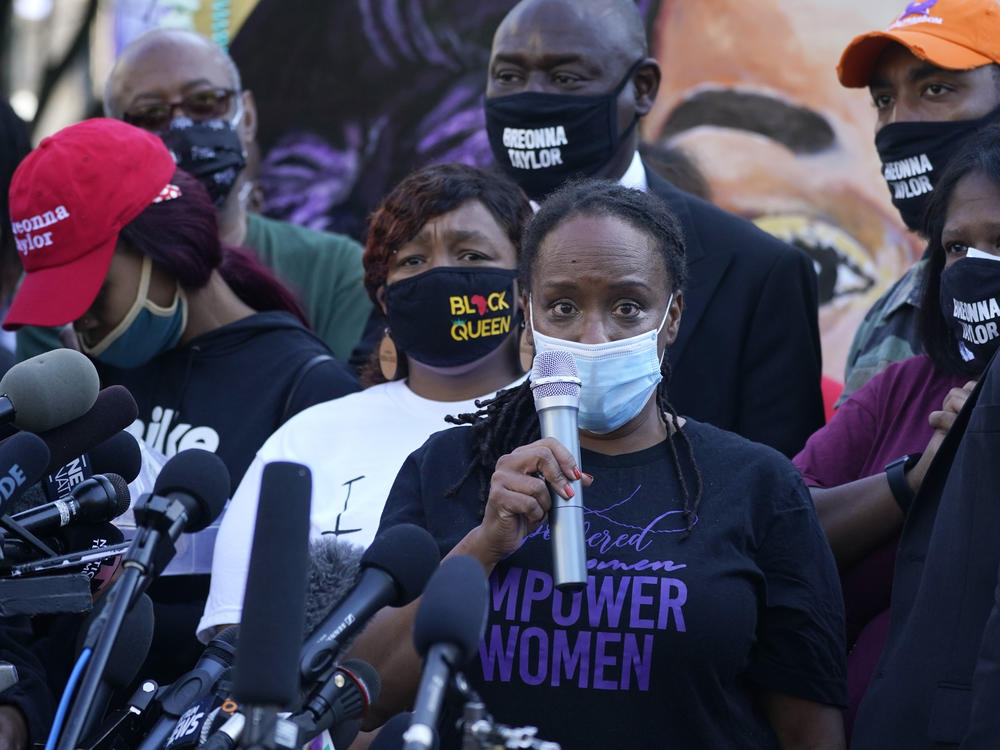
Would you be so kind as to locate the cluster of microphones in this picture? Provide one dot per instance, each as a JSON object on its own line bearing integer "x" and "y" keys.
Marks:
{"x": 280, "y": 679}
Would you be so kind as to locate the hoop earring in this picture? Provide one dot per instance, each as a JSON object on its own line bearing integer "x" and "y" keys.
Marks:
{"x": 525, "y": 351}
{"x": 388, "y": 357}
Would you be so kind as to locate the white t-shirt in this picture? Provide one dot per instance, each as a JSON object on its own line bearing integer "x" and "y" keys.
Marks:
{"x": 354, "y": 447}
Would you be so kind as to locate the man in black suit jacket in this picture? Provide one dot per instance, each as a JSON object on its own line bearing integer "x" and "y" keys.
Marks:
{"x": 938, "y": 681}
{"x": 568, "y": 81}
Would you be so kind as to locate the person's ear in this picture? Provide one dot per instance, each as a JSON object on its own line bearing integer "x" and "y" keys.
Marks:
{"x": 527, "y": 319}
{"x": 248, "y": 123}
{"x": 646, "y": 80}
{"x": 669, "y": 333}
{"x": 380, "y": 297}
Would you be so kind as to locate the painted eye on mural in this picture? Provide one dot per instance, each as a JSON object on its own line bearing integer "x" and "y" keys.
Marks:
{"x": 843, "y": 266}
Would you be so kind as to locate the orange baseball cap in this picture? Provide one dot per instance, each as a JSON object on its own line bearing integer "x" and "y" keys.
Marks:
{"x": 953, "y": 34}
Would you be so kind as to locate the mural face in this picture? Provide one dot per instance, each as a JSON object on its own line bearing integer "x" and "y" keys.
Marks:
{"x": 363, "y": 92}
{"x": 750, "y": 92}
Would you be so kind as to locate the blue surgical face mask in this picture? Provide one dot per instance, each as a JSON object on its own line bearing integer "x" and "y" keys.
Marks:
{"x": 617, "y": 377}
{"x": 146, "y": 330}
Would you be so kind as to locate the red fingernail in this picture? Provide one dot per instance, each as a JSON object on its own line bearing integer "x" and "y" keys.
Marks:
{"x": 568, "y": 489}
{"x": 576, "y": 471}
{"x": 589, "y": 476}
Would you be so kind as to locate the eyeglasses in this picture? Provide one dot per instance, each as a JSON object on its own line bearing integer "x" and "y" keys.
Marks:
{"x": 200, "y": 105}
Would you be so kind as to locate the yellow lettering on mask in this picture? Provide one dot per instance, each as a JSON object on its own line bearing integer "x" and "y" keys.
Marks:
{"x": 497, "y": 301}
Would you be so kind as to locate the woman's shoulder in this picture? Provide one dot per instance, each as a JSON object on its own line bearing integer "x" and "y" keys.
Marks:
{"x": 735, "y": 466}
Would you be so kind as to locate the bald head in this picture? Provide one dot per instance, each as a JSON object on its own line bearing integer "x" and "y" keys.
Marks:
{"x": 615, "y": 26}
{"x": 163, "y": 62}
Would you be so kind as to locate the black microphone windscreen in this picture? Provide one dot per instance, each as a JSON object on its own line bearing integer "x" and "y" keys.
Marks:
{"x": 454, "y": 608}
{"x": 266, "y": 670}
{"x": 132, "y": 644}
{"x": 201, "y": 481}
{"x": 390, "y": 736}
{"x": 333, "y": 570}
{"x": 119, "y": 454}
{"x": 50, "y": 389}
{"x": 23, "y": 458}
{"x": 409, "y": 554}
{"x": 122, "y": 496}
{"x": 112, "y": 412}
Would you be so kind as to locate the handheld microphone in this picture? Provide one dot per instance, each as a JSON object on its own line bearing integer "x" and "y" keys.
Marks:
{"x": 394, "y": 570}
{"x": 96, "y": 500}
{"x": 555, "y": 386}
{"x": 265, "y": 677}
{"x": 449, "y": 625}
{"x": 345, "y": 696}
{"x": 48, "y": 390}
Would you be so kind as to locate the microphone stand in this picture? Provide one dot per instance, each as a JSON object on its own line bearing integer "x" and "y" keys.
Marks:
{"x": 160, "y": 523}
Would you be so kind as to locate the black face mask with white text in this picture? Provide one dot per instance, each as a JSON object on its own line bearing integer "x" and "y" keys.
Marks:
{"x": 541, "y": 140}
{"x": 913, "y": 154}
{"x": 970, "y": 302}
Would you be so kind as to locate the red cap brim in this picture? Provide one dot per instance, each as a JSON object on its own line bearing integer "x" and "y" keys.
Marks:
{"x": 60, "y": 294}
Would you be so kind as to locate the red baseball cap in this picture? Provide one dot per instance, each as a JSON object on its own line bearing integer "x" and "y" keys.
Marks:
{"x": 953, "y": 34}
{"x": 69, "y": 199}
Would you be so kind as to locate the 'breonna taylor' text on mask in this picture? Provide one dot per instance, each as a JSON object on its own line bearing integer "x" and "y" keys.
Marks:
{"x": 542, "y": 139}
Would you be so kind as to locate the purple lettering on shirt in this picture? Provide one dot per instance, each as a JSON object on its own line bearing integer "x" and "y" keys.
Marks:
{"x": 607, "y": 598}
{"x": 603, "y": 660}
{"x": 639, "y": 600}
{"x": 673, "y": 594}
{"x": 537, "y": 586}
{"x": 495, "y": 654}
{"x": 575, "y": 600}
{"x": 536, "y": 677}
{"x": 566, "y": 661}
{"x": 633, "y": 661}
{"x": 506, "y": 591}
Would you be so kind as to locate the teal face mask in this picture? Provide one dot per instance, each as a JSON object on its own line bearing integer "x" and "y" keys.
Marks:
{"x": 146, "y": 330}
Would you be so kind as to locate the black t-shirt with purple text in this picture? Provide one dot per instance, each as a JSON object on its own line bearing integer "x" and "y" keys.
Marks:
{"x": 674, "y": 636}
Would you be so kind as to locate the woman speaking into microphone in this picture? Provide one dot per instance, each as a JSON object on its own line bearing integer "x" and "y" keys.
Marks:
{"x": 712, "y": 615}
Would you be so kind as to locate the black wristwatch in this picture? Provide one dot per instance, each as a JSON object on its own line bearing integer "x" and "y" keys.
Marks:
{"x": 895, "y": 472}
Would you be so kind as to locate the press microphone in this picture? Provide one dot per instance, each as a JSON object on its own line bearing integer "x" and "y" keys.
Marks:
{"x": 96, "y": 500}
{"x": 449, "y": 625}
{"x": 334, "y": 564}
{"x": 48, "y": 390}
{"x": 179, "y": 698}
{"x": 119, "y": 454}
{"x": 131, "y": 647}
{"x": 265, "y": 678}
{"x": 394, "y": 570}
{"x": 345, "y": 696}
{"x": 112, "y": 411}
{"x": 555, "y": 386}
{"x": 23, "y": 458}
